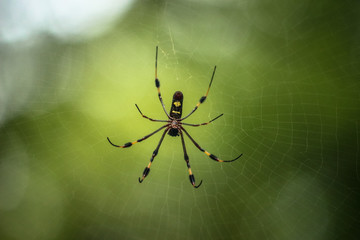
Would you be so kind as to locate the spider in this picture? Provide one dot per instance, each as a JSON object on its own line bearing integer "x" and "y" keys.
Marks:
{"x": 174, "y": 127}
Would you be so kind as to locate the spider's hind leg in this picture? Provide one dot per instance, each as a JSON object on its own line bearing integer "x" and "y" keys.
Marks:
{"x": 157, "y": 84}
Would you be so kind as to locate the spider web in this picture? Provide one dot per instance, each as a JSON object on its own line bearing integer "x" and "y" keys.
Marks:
{"x": 286, "y": 81}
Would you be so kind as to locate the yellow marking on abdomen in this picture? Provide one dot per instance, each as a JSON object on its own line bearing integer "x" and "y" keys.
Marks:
{"x": 175, "y": 112}
{"x": 177, "y": 104}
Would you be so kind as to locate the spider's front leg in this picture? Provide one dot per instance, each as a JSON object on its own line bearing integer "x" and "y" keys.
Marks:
{"x": 212, "y": 156}
{"x": 186, "y": 157}
{"x": 147, "y": 169}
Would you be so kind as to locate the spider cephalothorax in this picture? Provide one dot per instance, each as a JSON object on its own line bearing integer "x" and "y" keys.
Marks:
{"x": 174, "y": 127}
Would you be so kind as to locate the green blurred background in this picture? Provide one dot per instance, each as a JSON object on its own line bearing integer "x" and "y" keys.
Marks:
{"x": 288, "y": 85}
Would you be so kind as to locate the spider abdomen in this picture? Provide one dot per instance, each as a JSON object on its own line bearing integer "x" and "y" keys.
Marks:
{"x": 176, "y": 105}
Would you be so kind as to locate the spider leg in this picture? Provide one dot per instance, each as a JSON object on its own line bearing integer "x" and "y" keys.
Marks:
{"x": 157, "y": 84}
{"x": 154, "y": 120}
{"x": 129, "y": 144}
{"x": 186, "y": 157}
{"x": 212, "y": 156}
{"x": 201, "y": 124}
{"x": 147, "y": 169}
{"x": 203, "y": 98}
